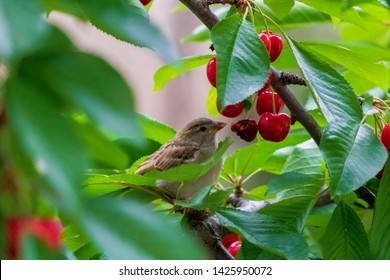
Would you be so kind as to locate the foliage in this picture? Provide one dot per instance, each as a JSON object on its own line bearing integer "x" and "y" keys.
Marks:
{"x": 71, "y": 137}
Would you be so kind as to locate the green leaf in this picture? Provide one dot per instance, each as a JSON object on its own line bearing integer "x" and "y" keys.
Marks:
{"x": 294, "y": 210}
{"x": 380, "y": 232}
{"x": 127, "y": 21}
{"x": 235, "y": 163}
{"x": 305, "y": 158}
{"x": 333, "y": 94}
{"x": 19, "y": 37}
{"x": 301, "y": 183}
{"x": 211, "y": 104}
{"x": 177, "y": 68}
{"x": 126, "y": 229}
{"x": 191, "y": 171}
{"x": 280, "y": 7}
{"x": 197, "y": 201}
{"x": 345, "y": 237}
{"x": 47, "y": 137}
{"x": 335, "y": 8}
{"x": 364, "y": 65}
{"x": 242, "y": 60}
{"x": 95, "y": 87}
{"x": 123, "y": 179}
{"x": 368, "y": 107}
{"x": 353, "y": 155}
{"x": 266, "y": 232}
{"x": 155, "y": 130}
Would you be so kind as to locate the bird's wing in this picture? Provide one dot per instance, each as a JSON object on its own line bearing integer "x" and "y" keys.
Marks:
{"x": 170, "y": 155}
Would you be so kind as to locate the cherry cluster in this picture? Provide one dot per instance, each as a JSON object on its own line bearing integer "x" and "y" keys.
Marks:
{"x": 272, "y": 125}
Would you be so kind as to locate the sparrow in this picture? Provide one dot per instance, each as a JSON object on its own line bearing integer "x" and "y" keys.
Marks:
{"x": 194, "y": 143}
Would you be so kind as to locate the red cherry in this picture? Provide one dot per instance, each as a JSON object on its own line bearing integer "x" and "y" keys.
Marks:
{"x": 234, "y": 247}
{"x": 264, "y": 102}
{"x": 263, "y": 36}
{"x": 268, "y": 82}
{"x": 385, "y": 137}
{"x": 13, "y": 237}
{"x": 274, "y": 127}
{"x": 211, "y": 71}
{"x": 145, "y": 2}
{"x": 49, "y": 231}
{"x": 231, "y": 111}
{"x": 229, "y": 239}
{"x": 276, "y": 46}
{"x": 246, "y": 129}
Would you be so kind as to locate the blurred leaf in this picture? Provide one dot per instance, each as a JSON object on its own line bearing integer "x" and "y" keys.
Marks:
{"x": 280, "y": 7}
{"x": 95, "y": 87}
{"x": 335, "y": 8}
{"x": 47, "y": 137}
{"x": 242, "y": 60}
{"x": 236, "y": 162}
{"x": 65, "y": 6}
{"x": 212, "y": 103}
{"x": 248, "y": 251}
{"x": 294, "y": 210}
{"x": 34, "y": 249}
{"x": 353, "y": 154}
{"x": 19, "y": 37}
{"x": 191, "y": 171}
{"x": 385, "y": 3}
{"x": 345, "y": 237}
{"x": 266, "y": 232}
{"x": 364, "y": 65}
{"x": 155, "y": 130}
{"x": 333, "y": 94}
{"x": 136, "y": 232}
{"x": 380, "y": 233}
{"x": 127, "y": 21}
{"x": 177, "y": 68}
{"x": 197, "y": 201}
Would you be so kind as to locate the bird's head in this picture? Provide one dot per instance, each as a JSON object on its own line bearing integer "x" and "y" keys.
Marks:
{"x": 201, "y": 130}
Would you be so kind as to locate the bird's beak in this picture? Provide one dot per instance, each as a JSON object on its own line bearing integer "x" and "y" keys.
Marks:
{"x": 218, "y": 126}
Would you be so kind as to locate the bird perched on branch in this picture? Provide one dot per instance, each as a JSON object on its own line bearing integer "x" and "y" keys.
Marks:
{"x": 194, "y": 143}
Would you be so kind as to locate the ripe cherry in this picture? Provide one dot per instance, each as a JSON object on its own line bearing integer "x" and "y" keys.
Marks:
{"x": 385, "y": 137}
{"x": 274, "y": 127}
{"x": 145, "y": 2}
{"x": 231, "y": 111}
{"x": 264, "y": 102}
{"x": 234, "y": 247}
{"x": 211, "y": 71}
{"x": 275, "y": 43}
{"x": 229, "y": 239}
{"x": 246, "y": 129}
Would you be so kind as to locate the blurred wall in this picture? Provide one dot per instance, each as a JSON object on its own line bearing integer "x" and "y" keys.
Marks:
{"x": 184, "y": 98}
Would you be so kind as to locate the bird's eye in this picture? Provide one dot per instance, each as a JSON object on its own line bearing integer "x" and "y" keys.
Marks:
{"x": 202, "y": 128}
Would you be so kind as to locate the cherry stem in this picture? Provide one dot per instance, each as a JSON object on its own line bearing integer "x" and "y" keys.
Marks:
{"x": 250, "y": 157}
{"x": 273, "y": 102}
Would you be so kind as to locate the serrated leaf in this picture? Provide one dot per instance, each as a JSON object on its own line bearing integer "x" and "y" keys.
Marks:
{"x": 280, "y": 7}
{"x": 47, "y": 137}
{"x": 191, "y": 171}
{"x": 353, "y": 155}
{"x": 242, "y": 60}
{"x": 266, "y": 232}
{"x": 127, "y": 21}
{"x": 364, "y": 65}
{"x": 345, "y": 237}
{"x": 333, "y": 94}
{"x": 18, "y": 37}
{"x": 380, "y": 232}
{"x": 177, "y": 68}
{"x": 92, "y": 85}
{"x": 136, "y": 232}
{"x": 293, "y": 210}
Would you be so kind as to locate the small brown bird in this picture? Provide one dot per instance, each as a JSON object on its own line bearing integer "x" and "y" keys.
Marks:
{"x": 194, "y": 143}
